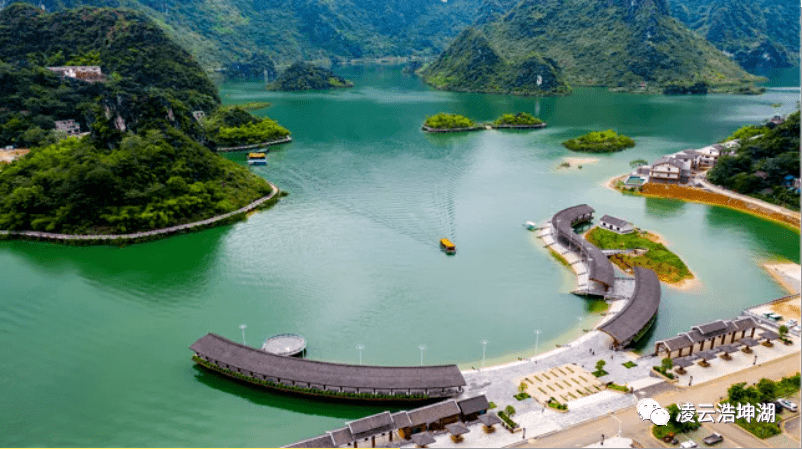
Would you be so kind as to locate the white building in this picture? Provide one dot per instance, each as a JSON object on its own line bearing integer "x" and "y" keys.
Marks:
{"x": 616, "y": 225}
{"x": 669, "y": 170}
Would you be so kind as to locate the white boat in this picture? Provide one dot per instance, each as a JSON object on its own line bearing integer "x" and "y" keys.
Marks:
{"x": 530, "y": 225}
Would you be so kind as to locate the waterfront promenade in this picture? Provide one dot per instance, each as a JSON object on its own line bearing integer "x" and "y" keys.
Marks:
{"x": 136, "y": 236}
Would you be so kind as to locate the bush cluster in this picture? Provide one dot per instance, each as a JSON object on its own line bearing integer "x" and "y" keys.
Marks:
{"x": 448, "y": 121}
{"x": 521, "y": 118}
{"x": 600, "y": 142}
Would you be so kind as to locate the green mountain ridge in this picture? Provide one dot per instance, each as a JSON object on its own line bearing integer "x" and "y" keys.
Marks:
{"x": 615, "y": 43}
{"x": 758, "y": 34}
{"x": 146, "y": 162}
{"x": 227, "y": 31}
{"x": 470, "y": 64}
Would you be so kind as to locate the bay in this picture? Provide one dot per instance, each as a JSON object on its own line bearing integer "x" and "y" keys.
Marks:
{"x": 94, "y": 341}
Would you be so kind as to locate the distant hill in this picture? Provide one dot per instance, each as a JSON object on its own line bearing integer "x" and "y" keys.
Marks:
{"x": 758, "y": 34}
{"x": 305, "y": 76}
{"x": 146, "y": 162}
{"x": 615, "y": 43}
{"x": 471, "y": 64}
{"x": 227, "y": 31}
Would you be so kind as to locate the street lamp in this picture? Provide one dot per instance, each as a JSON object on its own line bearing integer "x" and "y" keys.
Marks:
{"x": 422, "y": 348}
{"x": 484, "y": 346}
{"x": 579, "y": 321}
{"x": 242, "y": 328}
{"x": 537, "y": 340}
{"x": 360, "y": 348}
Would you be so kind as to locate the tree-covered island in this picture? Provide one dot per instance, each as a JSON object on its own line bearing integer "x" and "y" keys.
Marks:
{"x": 521, "y": 119}
{"x": 143, "y": 160}
{"x": 600, "y": 142}
{"x": 305, "y": 76}
{"x": 449, "y": 122}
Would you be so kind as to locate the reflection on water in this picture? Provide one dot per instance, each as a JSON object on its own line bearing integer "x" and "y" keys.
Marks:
{"x": 664, "y": 207}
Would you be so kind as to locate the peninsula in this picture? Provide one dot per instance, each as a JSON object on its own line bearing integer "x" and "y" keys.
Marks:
{"x": 130, "y": 155}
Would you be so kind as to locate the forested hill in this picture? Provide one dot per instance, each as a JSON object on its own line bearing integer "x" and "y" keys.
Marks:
{"x": 614, "y": 43}
{"x": 143, "y": 165}
{"x": 288, "y": 30}
{"x": 757, "y": 33}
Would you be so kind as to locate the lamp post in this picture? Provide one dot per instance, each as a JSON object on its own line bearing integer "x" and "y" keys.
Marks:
{"x": 537, "y": 340}
{"x": 579, "y": 321}
{"x": 360, "y": 348}
{"x": 422, "y": 348}
{"x": 484, "y": 347}
{"x": 242, "y": 328}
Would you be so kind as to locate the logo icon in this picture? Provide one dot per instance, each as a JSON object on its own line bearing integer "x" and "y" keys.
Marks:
{"x": 649, "y": 409}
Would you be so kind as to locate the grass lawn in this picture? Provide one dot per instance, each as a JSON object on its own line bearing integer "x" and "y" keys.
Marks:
{"x": 668, "y": 266}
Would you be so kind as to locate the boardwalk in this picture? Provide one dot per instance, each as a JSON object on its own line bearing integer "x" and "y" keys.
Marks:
{"x": 287, "y": 139}
{"x": 139, "y": 235}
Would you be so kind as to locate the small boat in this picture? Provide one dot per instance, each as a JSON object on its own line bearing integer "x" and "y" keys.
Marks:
{"x": 530, "y": 225}
{"x": 257, "y": 159}
{"x": 447, "y": 246}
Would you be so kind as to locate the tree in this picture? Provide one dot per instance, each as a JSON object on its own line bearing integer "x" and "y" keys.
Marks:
{"x": 767, "y": 390}
{"x": 509, "y": 410}
{"x": 522, "y": 387}
{"x": 600, "y": 365}
{"x": 638, "y": 162}
{"x": 783, "y": 331}
{"x": 667, "y": 364}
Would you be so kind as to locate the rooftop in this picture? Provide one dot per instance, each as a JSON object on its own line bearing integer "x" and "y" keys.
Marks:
{"x": 615, "y": 221}
{"x": 639, "y": 310}
{"x": 325, "y": 373}
{"x": 599, "y": 267}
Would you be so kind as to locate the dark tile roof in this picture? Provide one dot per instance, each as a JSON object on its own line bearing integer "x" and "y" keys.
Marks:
{"x": 615, "y": 221}
{"x": 381, "y": 422}
{"x": 683, "y": 362}
{"x": 639, "y": 310}
{"x": 668, "y": 160}
{"x": 599, "y": 267}
{"x": 401, "y": 420}
{"x": 696, "y": 336}
{"x": 423, "y": 439}
{"x": 473, "y": 405}
{"x": 707, "y": 355}
{"x": 748, "y": 342}
{"x": 728, "y": 348}
{"x": 744, "y": 323}
{"x": 678, "y": 342}
{"x": 769, "y": 335}
{"x": 489, "y": 419}
{"x": 712, "y": 328}
{"x": 341, "y": 437}
{"x": 457, "y": 429}
{"x": 434, "y": 412}
{"x": 324, "y": 373}
{"x": 324, "y": 441}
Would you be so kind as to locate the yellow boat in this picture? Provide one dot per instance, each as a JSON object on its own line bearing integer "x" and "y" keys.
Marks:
{"x": 257, "y": 159}
{"x": 447, "y": 246}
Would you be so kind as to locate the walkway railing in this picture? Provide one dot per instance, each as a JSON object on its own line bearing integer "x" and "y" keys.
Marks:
{"x": 255, "y": 145}
{"x": 141, "y": 235}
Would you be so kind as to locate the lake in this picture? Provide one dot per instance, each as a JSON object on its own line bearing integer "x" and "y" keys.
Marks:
{"x": 94, "y": 340}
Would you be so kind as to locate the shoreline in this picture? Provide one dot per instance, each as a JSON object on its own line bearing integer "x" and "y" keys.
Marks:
{"x": 695, "y": 195}
{"x": 779, "y": 272}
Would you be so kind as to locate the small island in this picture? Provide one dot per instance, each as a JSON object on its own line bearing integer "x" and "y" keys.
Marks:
{"x": 600, "y": 142}
{"x": 305, "y": 76}
{"x": 647, "y": 252}
{"x": 449, "y": 123}
{"x": 521, "y": 120}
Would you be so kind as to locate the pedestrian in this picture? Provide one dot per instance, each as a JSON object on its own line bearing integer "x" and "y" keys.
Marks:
{"x": 602, "y": 441}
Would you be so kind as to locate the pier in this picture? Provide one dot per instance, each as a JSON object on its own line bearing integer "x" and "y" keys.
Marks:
{"x": 254, "y": 146}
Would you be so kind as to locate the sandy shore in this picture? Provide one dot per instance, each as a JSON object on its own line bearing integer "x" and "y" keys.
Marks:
{"x": 786, "y": 274}
{"x": 610, "y": 183}
{"x": 574, "y": 161}
{"x": 686, "y": 284}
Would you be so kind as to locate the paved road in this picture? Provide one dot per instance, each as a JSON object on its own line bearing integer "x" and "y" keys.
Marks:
{"x": 772, "y": 207}
{"x": 710, "y": 392}
{"x": 791, "y": 426}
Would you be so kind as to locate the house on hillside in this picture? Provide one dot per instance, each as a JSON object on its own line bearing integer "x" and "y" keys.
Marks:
{"x": 69, "y": 127}
{"x": 669, "y": 170}
{"x": 90, "y": 74}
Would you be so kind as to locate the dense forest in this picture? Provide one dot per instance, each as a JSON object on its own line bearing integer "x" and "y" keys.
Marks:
{"x": 521, "y": 118}
{"x": 305, "y": 76}
{"x": 758, "y": 34}
{"x": 146, "y": 161}
{"x": 625, "y": 44}
{"x": 760, "y": 166}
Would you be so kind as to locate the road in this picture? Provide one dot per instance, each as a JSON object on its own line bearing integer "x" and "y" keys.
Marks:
{"x": 713, "y": 391}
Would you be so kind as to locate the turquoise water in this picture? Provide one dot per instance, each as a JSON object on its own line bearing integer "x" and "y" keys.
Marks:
{"x": 94, "y": 341}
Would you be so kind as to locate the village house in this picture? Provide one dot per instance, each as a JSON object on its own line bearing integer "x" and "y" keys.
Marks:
{"x": 706, "y": 336}
{"x": 90, "y": 74}
{"x": 670, "y": 170}
{"x": 616, "y": 225}
{"x": 70, "y": 127}
{"x": 199, "y": 116}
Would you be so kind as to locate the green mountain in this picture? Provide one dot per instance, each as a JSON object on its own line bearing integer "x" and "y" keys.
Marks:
{"x": 471, "y": 64}
{"x": 758, "y": 34}
{"x": 146, "y": 162}
{"x": 613, "y": 43}
{"x": 305, "y": 76}
{"x": 227, "y": 31}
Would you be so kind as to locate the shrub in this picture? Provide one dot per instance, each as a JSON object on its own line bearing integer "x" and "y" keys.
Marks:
{"x": 448, "y": 121}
